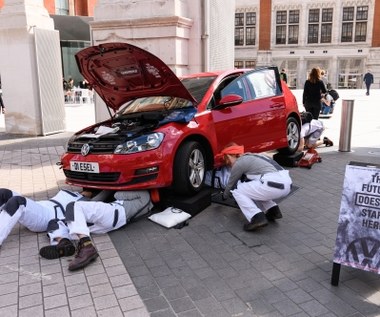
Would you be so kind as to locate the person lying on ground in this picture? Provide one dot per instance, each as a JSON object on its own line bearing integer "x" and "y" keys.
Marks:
{"x": 84, "y": 218}
{"x": 34, "y": 215}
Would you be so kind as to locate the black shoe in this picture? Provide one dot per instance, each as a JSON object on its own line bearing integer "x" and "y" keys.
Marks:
{"x": 85, "y": 255}
{"x": 273, "y": 213}
{"x": 327, "y": 142}
{"x": 64, "y": 248}
{"x": 257, "y": 221}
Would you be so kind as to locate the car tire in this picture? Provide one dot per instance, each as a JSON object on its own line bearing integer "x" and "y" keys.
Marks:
{"x": 189, "y": 168}
{"x": 293, "y": 137}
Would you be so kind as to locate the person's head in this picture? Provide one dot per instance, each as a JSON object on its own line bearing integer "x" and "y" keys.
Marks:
{"x": 315, "y": 75}
{"x": 283, "y": 70}
{"x": 306, "y": 117}
{"x": 322, "y": 72}
{"x": 231, "y": 153}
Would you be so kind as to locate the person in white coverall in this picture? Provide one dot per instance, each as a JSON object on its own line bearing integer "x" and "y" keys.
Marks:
{"x": 311, "y": 131}
{"x": 255, "y": 181}
{"x": 85, "y": 217}
{"x": 34, "y": 215}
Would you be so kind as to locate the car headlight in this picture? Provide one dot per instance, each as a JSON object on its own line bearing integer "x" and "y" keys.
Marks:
{"x": 140, "y": 144}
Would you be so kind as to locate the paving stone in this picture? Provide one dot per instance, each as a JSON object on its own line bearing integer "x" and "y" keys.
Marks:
{"x": 314, "y": 308}
{"x": 156, "y": 303}
{"x": 80, "y": 301}
{"x": 55, "y": 301}
{"x": 8, "y": 299}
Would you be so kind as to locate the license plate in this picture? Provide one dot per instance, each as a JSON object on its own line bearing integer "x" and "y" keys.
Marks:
{"x": 88, "y": 167}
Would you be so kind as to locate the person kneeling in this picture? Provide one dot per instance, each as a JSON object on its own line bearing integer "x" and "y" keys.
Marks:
{"x": 311, "y": 132}
{"x": 255, "y": 181}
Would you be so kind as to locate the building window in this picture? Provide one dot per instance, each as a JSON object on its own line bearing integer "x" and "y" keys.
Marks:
{"x": 250, "y": 64}
{"x": 245, "y": 28}
{"x": 320, "y": 26}
{"x": 239, "y": 64}
{"x": 62, "y": 7}
{"x": 245, "y": 64}
{"x": 287, "y": 27}
{"x": 354, "y": 28}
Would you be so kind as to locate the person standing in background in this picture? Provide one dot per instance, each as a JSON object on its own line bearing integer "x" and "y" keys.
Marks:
{"x": 368, "y": 80}
{"x": 2, "y": 107}
{"x": 70, "y": 83}
{"x": 283, "y": 75}
{"x": 312, "y": 93}
{"x": 324, "y": 78}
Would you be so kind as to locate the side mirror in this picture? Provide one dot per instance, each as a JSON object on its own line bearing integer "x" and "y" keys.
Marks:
{"x": 229, "y": 100}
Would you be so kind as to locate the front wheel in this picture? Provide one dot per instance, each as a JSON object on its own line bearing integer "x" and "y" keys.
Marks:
{"x": 189, "y": 168}
{"x": 292, "y": 136}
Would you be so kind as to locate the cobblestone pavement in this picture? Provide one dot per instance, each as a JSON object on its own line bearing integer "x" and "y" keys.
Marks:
{"x": 209, "y": 268}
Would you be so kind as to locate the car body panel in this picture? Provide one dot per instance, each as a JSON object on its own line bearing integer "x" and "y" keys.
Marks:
{"x": 120, "y": 72}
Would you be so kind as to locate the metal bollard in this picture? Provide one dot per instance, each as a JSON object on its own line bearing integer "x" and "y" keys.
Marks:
{"x": 346, "y": 125}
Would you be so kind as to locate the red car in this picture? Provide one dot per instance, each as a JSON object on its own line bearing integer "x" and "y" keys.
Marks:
{"x": 167, "y": 132}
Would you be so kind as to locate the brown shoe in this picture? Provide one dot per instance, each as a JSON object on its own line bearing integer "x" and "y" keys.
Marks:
{"x": 64, "y": 248}
{"x": 85, "y": 255}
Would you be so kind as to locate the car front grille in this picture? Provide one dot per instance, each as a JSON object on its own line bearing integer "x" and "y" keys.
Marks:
{"x": 102, "y": 147}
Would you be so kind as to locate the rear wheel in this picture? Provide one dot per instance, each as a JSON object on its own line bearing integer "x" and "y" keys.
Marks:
{"x": 293, "y": 137}
{"x": 189, "y": 168}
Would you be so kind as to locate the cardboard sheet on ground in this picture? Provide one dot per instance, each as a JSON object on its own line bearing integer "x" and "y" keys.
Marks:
{"x": 217, "y": 198}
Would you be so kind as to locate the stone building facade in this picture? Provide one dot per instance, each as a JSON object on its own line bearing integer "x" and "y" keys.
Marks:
{"x": 342, "y": 37}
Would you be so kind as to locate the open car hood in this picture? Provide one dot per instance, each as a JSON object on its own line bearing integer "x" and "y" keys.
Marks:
{"x": 120, "y": 72}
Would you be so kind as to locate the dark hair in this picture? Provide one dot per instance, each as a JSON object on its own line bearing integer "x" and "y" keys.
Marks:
{"x": 306, "y": 117}
{"x": 315, "y": 75}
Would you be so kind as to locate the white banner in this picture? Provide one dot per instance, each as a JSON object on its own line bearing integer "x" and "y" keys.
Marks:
{"x": 358, "y": 235}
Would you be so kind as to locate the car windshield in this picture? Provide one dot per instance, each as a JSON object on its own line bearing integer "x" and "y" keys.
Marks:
{"x": 198, "y": 86}
{"x": 155, "y": 103}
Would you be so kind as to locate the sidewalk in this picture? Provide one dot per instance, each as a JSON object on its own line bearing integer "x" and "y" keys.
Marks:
{"x": 209, "y": 268}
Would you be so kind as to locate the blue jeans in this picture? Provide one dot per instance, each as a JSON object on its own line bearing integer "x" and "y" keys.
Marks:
{"x": 327, "y": 109}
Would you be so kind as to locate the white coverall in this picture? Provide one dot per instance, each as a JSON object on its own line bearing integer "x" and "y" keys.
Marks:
{"x": 312, "y": 131}
{"x": 99, "y": 217}
{"x": 263, "y": 177}
{"x": 34, "y": 215}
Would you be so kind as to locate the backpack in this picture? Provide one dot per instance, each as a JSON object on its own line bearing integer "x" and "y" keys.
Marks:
{"x": 334, "y": 94}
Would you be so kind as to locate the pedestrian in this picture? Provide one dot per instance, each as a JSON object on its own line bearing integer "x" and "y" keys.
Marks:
{"x": 255, "y": 181}
{"x": 2, "y": 107}
{"x": 324, "y": 79}
{"x": 70, "y": 83}
{"x": 312, "y": 93}
{"x": 284, "y": 76}
{"x": 83, "y": 218}
{"x": 34, "y": 215}
{"x": 368, "y": 80}
{"x": 64, "y": 82}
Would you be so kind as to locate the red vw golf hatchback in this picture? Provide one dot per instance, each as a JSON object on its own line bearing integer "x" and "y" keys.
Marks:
{"x": 167, "y": 132}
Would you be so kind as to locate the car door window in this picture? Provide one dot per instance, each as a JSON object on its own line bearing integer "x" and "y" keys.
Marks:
{"x": 218, "y": 91}
{"x": 263, "y": 83}
{"x": 237, "y": 87}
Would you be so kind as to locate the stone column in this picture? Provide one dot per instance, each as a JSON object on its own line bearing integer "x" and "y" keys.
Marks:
{"x": 18, "y": 67}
